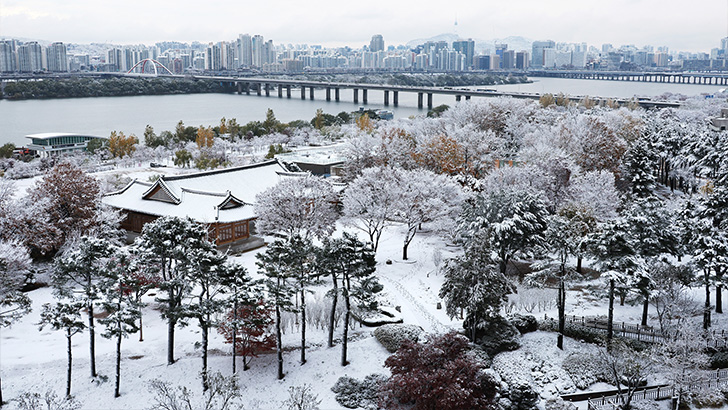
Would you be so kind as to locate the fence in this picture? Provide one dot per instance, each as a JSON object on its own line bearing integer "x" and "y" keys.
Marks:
{"x": 718, "y": 379}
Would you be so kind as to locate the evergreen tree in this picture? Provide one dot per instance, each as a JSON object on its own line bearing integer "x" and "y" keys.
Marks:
{"x": 243, "y": 294}
{"x": 353, "y": 262}
{"x": 206, "y": 272}
{"x": 640, "y": 163}
{"x": 76, "y": 276}
{"x": 274, "y": 263}
{"x": 67, "y": 317}
{"x": 120, "y": 304}
{"x": 505, "y": 222}
{"x": 474, "y": 284}
{"x": 166, "y": 245}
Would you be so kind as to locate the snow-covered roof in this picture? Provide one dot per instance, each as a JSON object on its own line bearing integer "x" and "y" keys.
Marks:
{"x": 228, "y": 194}
{"x": 329, "y": 155}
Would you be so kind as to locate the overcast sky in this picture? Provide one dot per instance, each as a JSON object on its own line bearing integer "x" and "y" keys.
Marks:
{"x": 681, "y": 25}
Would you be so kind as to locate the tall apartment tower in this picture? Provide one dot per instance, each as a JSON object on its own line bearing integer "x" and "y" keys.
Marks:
{"x": 377, "y": 43}
{"x": 57, "y": 58}
{"x": 30, "y": 57}
{"x": 467, "y": 48}
{"x": 258, "y": 52}
{"x": 7, "y": 56}
{"x": 213, "y": 57}
{"x": 538, "y": 48}
{"x": 509, "y": 60}
{"x": 245, "y": 50}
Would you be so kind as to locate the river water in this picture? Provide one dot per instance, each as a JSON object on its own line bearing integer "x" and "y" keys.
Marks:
{"x": 102, "y": 115}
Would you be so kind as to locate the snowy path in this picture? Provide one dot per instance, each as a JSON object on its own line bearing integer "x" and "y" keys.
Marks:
{"x": 424, "y": 318}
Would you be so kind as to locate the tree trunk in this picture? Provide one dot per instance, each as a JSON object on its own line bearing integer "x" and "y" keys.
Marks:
{"x": 645, "y": 310}
{"x": 706, "y": 310}
{"x": 718, "y": 291}
{"x": 303, "y": 326}
{"x": 141, "y": 326}
{"x": 171, "y": 323}
{"x": 118, "y": 363}
{"x": 204, "y": 328}
{"x": 70, "y": 362}
{"x": 279, "y": 343}
{"x": 92, "y": 338}
{"x": 562, "y": 317}
{"x": 235, "y": 334}
{"x": 404, "y": 251}
{"x": 345, "y": 337}
{"x": 503, "y": 264}
{"x": 333, "y": 311}
{"x": 578, "y": 264}
{"x": 1, "y": 392}
{"x": 610, "y": 317}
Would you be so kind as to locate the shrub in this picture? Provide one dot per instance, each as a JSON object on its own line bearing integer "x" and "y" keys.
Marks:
{"x": 557, "y": 403}
{"x": 522, "y": 396}
{"x": 497, "y": 335}
{"x": 352, "y": 393}
{"x": 50, "y": 401}
{"x": 392, "y": 336}
{"x": 524, "y": 323}
{"x": 708, "y": 398}
{"x": 437, "y": 374}
{"x": 719, "y": 360}
{"x": 585, "y": 369}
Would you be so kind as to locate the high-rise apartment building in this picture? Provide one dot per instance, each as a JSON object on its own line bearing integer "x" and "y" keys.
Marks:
{"x": 213, "y": 57}
{"x": 258, "y": 43}
{"x": 377, "y": 43}
{"x": 30, "y": 57}
{"x": 509, "y": 60}
{"x": 114, "y": 59}
{"x": 537, "y": 56}
{"x": 467, "y": 48}
{"x": 57, "y": 58}
{"x": 7, "y": 56}
{"x": 245, "y": 50}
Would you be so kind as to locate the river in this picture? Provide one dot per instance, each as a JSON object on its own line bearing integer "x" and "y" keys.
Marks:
{"x": 102, "y": 115}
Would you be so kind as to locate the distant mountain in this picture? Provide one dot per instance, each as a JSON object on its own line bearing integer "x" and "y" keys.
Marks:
{"x": 516, "y": 43}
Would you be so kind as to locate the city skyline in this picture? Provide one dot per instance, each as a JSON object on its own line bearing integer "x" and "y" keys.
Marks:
{"x": 147, "y": 22}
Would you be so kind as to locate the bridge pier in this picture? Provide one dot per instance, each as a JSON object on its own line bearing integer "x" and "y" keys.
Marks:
{"x": 303, "y": 92}
{"x": 429, "y": 101}
{"x": 280, "y": 91}
{"x": 364, "y": 95}
{"x": 356, "y": 95}
{"x": 396, "y": 97}
{"x": 247, "y": 88}
{"x": 267, "y": 90}
{"x": 310, "y": 92}
{"x": 386, "y": 98}
{"x": 419, "y": 100}
{"x": 336, "y": 94}
{"x": 288, "y": 91}
{"x": 328, "y": 93}
{"x": 457, "y": 98}
{"x": 257, "y": 88}
{"x": 240, "y": 88}
{"x": 467, "y": 98}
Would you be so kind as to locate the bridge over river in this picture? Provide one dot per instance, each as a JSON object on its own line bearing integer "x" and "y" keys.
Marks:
{"x": 260, "y": 85}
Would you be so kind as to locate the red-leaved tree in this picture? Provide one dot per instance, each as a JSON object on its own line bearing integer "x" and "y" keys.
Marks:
{"x": 249, "y": 328}
{"x": 437, "y": 374}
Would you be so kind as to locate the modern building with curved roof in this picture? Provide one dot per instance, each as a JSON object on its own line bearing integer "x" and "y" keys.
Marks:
{"x": 53, "y": 143}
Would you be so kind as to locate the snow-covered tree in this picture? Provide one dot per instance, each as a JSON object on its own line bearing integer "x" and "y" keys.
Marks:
{"x": 122, "y": 307}
{"x": 66, "y": 317}
{"x": 275, "y": 263}
{"x": 206, "y": 273}
{"x": 247, "y": 328}
{"x": 351, "y": 261}
{"x": 165, "y": 245}
{"x": 505, "y": 222}
{"x": 627, "y": 370}
{"x": 297, "y": 206}
{"x": 423, "y": 197}
{"x": 474, "y": 284}
{"x": 14, "y": 265}
{"x": 595, "y": 191}
{"x": 640, "y": 163}
{"x": 369, "y": 201}
{"x": 76, "y": 275}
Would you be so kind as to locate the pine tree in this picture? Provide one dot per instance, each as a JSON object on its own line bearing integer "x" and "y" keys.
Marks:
{"x": 353, "y": 262}
{"x": 206, "y": 271}
{"x": 120, "y": 304}
{"x": 165, "y": 245}
{"x": 274, "y": 263}
{"x": 76, "y": 276}
{"x": 67, "y": 317}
